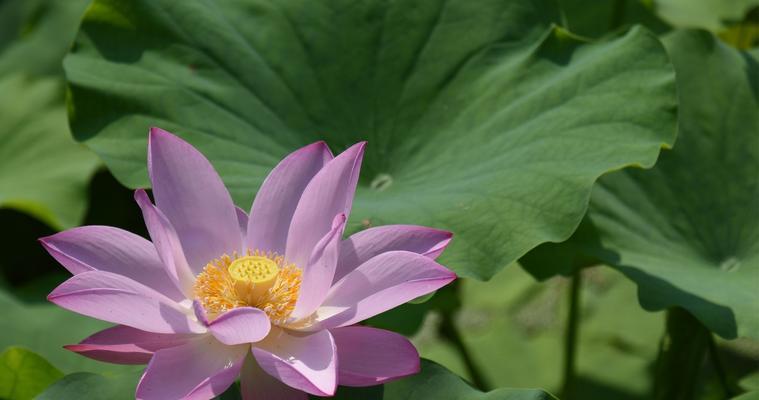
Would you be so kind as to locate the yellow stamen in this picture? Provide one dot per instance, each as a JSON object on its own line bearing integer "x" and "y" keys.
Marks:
{"x": 258, "y": 279}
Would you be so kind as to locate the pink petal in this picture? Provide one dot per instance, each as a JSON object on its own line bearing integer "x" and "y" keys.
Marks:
{"x": 166, "y": 242}
{"x": 369, "y": 356}
{"x": 303, "y": 361}
{"x": 199, "y": 369}
{"x": 240, "y": 325}
{"x": 242, "y": 220}
{"x": 125, "y": 345}
{"x": 317, "y": 276}
{"x": 278, "y": 196}
{"x": 368, "y": 243}
{"x": 103, "y": 248}
{"x": 118, "y": 299}
{"x": 255, "y": 384}
{"x": 190, "y": 193}
{"x": 330, "y": 193}
{"x": 384, "y": 282}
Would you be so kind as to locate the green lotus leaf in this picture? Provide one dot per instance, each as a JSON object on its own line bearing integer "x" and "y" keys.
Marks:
{"x": 36, "y": 34}
{"x": 42, "y": 170}
{"x": 436, "y": 382}
{"x": 714, "y": 15}
{"x": 687, "y": 231}
{"x": 92, "y": 386}
{"x": 45, "y": 329}
{"x": 482, "y": 117}
{"x": 24, "y": 374}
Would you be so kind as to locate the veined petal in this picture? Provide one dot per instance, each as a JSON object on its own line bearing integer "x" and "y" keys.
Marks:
{"x": 330, "y": 193}
{"x": 192, "y": 196}
{"x": 125, "y": 345}
{"x": 118, "y": 299}
{"x": 104, "y": 248}
{"x": 166, "y": 242}
{"x": 384, "y": 282}
{"x": 240, "y": 325}
{"x": 317, "y": 276}
{"x": 276, "y": 200}
{"x": 369, "y": 356}
{"x": 307, "y": 362}
{"x": 199, "y": 369}
{"x": 255, "y": 384}
{"x": 362, "y": 246}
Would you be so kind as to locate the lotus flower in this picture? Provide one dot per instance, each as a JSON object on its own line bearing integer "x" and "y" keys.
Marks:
{"x": 274, "y": 298}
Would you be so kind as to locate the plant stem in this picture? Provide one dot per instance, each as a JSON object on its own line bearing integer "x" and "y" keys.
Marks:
{"x": 571, "y": 335}
{"x": 719, "y": 368}
{"x": 618, "y": 15}
{"x": 681, "y": 356}
{"x": 451, "y": 333}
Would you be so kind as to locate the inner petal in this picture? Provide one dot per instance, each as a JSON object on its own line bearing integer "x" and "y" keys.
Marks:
{"x": 258, "y": 279}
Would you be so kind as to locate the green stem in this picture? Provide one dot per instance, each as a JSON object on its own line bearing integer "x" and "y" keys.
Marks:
{"x": 570, "y": 337}
{"x": 719, "y": 368}
{"x": 681, "y": 356}
{"x": 618, "y": 14}
{"x": 451, "y": 333}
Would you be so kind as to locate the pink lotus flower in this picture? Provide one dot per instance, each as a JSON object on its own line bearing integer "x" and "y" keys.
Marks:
{"x": 273, "y": 298}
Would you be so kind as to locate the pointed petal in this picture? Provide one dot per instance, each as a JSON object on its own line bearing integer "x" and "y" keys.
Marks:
{"x": 125, "y": 345}
{"x": 199, "y": 369}
{"x": 242, "y": 219}
{"x": 330, "y": 193}
{"x": 369, "y": 356}
{"x": 255, "y": 384}
{"x": 317, "y": 276}
{"x": 384, "y": 282}
{"x": 278, "y": 196}
{"x": 368, "y": 243}
{"x": 306, "y": 362}
{"x": 192, "y": 196}
{"x": 240, "y": 325}
{"x": 118, "y": 299}
{"x": 166, "y": 242}
{"x": 104, "y": 248}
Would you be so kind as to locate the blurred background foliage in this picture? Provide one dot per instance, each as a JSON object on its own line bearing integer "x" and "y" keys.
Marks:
{"x": 559, "y": 319}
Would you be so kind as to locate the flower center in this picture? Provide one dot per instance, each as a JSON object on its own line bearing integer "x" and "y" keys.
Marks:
{"x": 258, "y": 279}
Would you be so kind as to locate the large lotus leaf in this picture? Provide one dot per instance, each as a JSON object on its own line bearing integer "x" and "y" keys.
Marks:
{"x": 24, "y": 374}
{"x": 514, "y": 329}
{"x": 35, "y": 34}
{"x": 436, "y": 382}
{"x": 713, "y": 15}
{"x": 481, "y": 116}
{"x": 45, "y": 329}
{"x": 687, "y": 231}
{"x": 42, "y": 170}
{"x": 603, "y": 16}
{"x": 91, "y": 386}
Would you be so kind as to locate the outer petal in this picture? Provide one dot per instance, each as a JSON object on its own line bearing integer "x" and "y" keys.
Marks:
{"x": 200, "y": 369}
{"x": 104, "y": 248}
{"x": 317, "y": 276}
{"x": 190, "y": 193}
{"x": 362, "y": 246}
{"x": 384, "y": 282}
{"x": 369, "y": 356}
{"x": 307, "y": 362}
{"x": 115, "y": 298}
{"x": 167, "y": 244}
{"x": 255, "y": 384}
{"x": 240, "y": 325}
{"x": 124, "y": 345}
{"x": 278, "y": 196}
{"x": 330, "y": 193}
